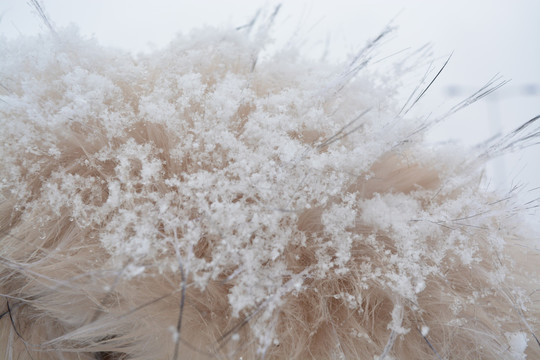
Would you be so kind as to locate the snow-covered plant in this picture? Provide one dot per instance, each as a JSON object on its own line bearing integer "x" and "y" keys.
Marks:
{"x": 202, "y": 201}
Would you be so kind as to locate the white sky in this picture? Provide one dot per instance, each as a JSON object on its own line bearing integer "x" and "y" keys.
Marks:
{"x": 487, "y": 37}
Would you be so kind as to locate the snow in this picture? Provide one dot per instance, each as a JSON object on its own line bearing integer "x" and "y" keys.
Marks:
{"x": 518, "y": 345}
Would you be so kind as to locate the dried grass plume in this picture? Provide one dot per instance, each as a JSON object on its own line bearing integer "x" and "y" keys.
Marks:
{"x": 203, "y": 201}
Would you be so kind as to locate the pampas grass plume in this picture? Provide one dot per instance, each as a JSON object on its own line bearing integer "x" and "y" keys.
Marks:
{"x": 204, "y": 201}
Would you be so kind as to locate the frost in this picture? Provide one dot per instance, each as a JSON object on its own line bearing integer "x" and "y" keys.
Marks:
{"x": 133, "y": 270}
{"x": 174, "y": 334}
{"x": 518, "y": 345}
{"x": 397, "y": 320}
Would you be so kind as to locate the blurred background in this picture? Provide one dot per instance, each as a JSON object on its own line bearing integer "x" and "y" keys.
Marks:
{"x": 485, "y": 38}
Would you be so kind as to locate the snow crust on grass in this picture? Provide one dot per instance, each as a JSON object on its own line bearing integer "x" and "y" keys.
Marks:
{"x": 248, "y": 173}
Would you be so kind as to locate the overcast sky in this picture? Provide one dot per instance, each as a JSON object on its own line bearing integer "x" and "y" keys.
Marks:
{"x": 486, "y": 37}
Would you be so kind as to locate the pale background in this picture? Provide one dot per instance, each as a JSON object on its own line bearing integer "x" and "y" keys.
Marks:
{"x": 486, "y": 38}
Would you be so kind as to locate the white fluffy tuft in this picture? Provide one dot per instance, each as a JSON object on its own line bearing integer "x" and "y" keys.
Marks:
{"x": 271, "y": 208}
